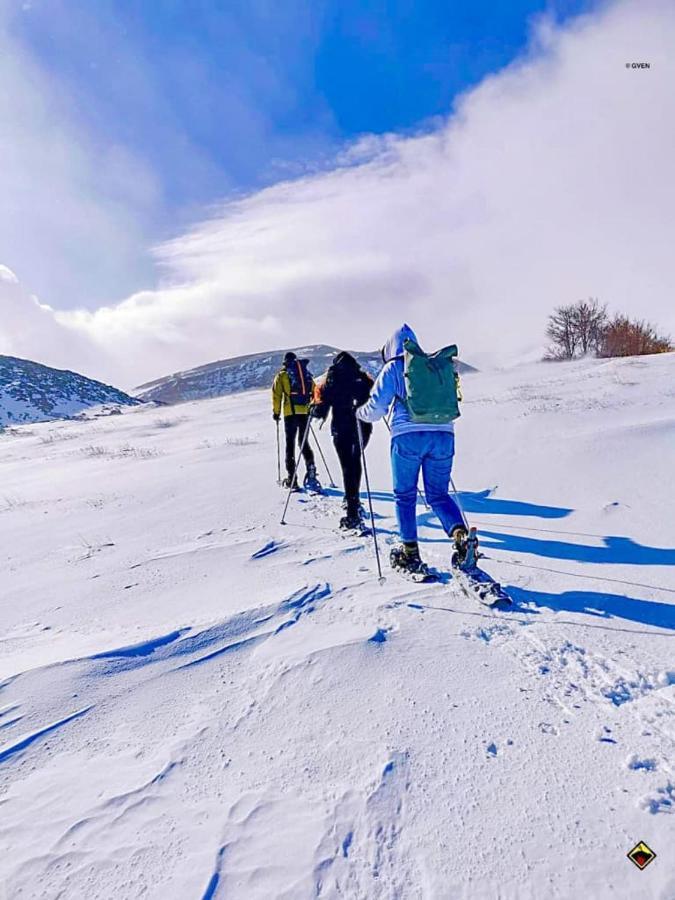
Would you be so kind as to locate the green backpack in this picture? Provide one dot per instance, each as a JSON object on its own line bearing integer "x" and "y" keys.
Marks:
{"x": 431, "y": 384}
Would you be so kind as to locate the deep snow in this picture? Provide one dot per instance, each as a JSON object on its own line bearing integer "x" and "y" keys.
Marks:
{"x": 196, "y": 701}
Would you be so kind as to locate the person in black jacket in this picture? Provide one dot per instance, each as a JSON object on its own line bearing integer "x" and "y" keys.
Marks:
{"x": 345, "y": 387}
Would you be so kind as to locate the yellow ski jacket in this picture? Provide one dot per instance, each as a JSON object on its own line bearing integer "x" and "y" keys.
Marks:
{"x": 281, "y": 394}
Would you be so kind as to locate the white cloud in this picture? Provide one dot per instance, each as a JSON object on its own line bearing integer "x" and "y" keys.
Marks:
{"x": 75, "y": 209}
{"x": 551, "y": 181}
{"x": 30, "y": 329}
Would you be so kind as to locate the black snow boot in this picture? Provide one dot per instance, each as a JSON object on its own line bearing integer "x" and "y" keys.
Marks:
{"x": 406, "y": 559}
{"x": 311, "y": 481}
{"x": 290, "y": 480}
{"x": 465, "y": 547}
{"x": 361, "y": 508}
{"x": 353, "y": 523}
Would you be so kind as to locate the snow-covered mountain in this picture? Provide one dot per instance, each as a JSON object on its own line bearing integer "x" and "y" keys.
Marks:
{"x": 245, "y": 373}
{"x": 31, "y": 392}
{"x": 196, "y": 701}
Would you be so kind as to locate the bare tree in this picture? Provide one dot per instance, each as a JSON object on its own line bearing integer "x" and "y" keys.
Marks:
{"x": 584, "y": 327}
{"x": 589, "y": 319}
{"x": 562, "y": 334}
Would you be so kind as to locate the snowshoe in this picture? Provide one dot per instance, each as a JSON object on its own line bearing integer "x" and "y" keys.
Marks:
{"x": 313, "y": 485}
{"x": 354, "y": 525}
{"x": 311, "y": 482}
{"x": 474, "y": 581}
{"x": 478, "y": 585}
{"x": 410, "y": 565}
{"x": 288, "y": 481}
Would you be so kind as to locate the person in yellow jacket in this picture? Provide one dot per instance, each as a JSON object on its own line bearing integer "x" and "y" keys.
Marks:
{"x": 291, "y": 393}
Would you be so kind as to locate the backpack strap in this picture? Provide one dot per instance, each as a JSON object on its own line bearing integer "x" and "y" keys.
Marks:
{"x": 290, "y": 394}
{"x": 301, "y": 376}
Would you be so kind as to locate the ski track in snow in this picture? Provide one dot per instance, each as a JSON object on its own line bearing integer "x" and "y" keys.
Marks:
{"x": 253, "y": 716}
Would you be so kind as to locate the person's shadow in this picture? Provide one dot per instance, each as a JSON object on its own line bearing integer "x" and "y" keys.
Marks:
{"x": 614, "y": 549}
{"x": 484, "y": 502}
{"x": 600, "y": 605}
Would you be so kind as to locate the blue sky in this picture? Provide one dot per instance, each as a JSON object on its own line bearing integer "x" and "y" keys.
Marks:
{"x": 175, "y": 187}
{"x": 222, "y": 97}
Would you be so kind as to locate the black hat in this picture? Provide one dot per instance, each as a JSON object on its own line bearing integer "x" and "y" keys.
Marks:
{"x": 289, "y": 358}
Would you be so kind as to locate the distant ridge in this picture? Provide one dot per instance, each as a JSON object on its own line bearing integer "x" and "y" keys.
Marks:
{"x": 247, "y": 373}
{"x": 31, "y": 392}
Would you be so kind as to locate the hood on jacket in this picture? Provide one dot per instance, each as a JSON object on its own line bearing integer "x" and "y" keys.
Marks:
{"x": 394, "y": 346}
{"x": 344, "y": 360}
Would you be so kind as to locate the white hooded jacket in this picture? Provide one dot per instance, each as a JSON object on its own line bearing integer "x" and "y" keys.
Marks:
{"x": 390, "y": 388}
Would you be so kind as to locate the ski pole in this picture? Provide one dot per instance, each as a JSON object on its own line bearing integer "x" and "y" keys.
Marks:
{"x": 294, "y": 479}
{"x": 278, "y": 456}
{"x": 421, "y": 495}
{"x": 459, "y": 504}
{"x": 318, "y": 444}
{"x": 381, "y": 577}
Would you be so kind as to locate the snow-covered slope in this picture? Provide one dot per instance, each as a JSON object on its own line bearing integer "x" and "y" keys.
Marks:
{"x": 196, "y": 701}
{"x": 245, "y": 373}
{"x": 31, "y": 392}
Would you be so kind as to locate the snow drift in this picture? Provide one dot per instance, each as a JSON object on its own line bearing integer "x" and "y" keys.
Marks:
{"x": 198, "y": 702}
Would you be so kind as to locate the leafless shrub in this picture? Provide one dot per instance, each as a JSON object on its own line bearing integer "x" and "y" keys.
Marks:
{"x": 625, "y": 337}
{"x": 53, "y": 437}
{"x": 166, "y": 423}
{"x": 136, "y": 452}
{"x": 11, "y": 502}
{"x": 11, "y": 431}
{"x": 91, "y": 549}
{"x": 584, "y": 328}
{"x": 124, "y": 452}
{"x": 91, "y": 451}
{"x": 239, "y": 441}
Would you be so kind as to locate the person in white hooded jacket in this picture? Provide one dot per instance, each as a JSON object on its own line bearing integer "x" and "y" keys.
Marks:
{"x": 414, "y": 446}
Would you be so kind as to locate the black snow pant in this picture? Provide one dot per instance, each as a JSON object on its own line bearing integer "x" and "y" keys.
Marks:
{"x": 294, "y": 426}
{"x": 349, "y": 453}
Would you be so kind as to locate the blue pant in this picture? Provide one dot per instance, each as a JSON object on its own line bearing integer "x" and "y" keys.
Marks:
{"x": 432, "y": 452}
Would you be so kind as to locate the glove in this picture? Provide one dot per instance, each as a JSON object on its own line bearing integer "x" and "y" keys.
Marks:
{"x": 276, "y": 417}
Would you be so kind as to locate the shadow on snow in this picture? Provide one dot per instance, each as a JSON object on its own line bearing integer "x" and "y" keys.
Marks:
{"x": 484, "y": 502}
{"x": 615, "y": 550}
{"x": 600, "y": 605}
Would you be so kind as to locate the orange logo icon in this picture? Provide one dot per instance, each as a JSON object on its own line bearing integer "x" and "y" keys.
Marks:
{"x": 641, "y": 855}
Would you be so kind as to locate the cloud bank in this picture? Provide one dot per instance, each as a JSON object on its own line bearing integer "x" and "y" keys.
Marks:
{"x": 66, "y": 198}
{"x": 549, "y": 182}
